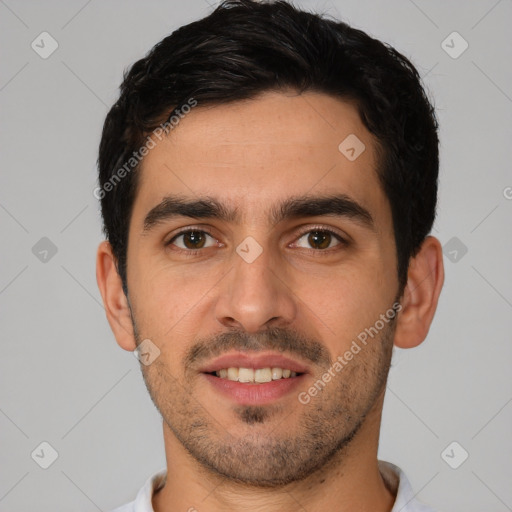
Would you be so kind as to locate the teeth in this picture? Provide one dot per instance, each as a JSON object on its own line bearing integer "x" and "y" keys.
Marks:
{"x": 245, "y": 375}
{"x": 277, "y": 373}
{"x": 232, "y": 374}
{"x": 258, "y": 375}
{"x": 263, "y": 375}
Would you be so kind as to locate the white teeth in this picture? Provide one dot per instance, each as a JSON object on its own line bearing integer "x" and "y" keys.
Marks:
{"x": 245, "y": 375}
{"x": 277, "y": 373}
{"x": 258, "y": 375}
{"x": 262, "y": 375}
{"x": 232, "y": 373}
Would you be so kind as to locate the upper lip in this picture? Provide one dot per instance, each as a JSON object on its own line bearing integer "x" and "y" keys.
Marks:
{"x": 247, "y": 360}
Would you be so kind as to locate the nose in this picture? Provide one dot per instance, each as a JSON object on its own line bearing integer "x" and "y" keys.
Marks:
{"x": 255, "y": 296}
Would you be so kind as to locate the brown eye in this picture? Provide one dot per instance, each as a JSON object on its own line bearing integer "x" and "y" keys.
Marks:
{"x": 191, "y": 240}
{"x": 319, "y": 239}
{"x": 194, "y": 240}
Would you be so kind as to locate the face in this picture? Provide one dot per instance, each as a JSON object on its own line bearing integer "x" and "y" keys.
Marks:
{"x": 258, "y": 254}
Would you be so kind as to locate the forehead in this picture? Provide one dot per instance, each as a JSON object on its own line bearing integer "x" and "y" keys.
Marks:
{"x": 250, "y": 153}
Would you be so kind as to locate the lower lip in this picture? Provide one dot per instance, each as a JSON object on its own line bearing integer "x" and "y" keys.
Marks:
{"x": 255, "y": 394}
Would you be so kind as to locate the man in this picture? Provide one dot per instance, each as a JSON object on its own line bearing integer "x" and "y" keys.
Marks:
{"x": 268, "y": 181}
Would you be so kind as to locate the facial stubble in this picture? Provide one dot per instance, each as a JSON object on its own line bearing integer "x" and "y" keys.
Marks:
{"x": 276, "y": 444}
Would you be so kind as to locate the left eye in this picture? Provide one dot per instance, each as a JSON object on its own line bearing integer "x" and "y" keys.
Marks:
{"x": 319, "y": 239}
{"x": 193, "y": 239}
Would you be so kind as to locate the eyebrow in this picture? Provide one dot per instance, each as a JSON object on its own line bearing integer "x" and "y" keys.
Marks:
{"x": 339, "y": 205}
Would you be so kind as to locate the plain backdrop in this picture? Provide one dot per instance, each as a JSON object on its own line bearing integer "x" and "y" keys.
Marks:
{"x": 65, "y": 381}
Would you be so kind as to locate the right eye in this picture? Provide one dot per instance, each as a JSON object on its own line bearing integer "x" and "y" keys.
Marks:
{"x": 192, "y": 239}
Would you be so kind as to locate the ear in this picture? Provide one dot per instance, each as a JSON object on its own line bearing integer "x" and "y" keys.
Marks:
{"x": 425, "y": 279}
{"x": 115, "y": 301}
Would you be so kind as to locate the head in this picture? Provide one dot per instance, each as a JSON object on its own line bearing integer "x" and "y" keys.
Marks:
{"x": 268, "y": 181}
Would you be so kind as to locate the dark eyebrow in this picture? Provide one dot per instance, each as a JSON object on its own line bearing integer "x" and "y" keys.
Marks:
{"x": 177, "y": 206}
{"x": 312, "y": 206}
{"x": 295, "y": 207}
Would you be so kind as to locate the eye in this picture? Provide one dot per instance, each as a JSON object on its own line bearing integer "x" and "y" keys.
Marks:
{"x": 319, "y": 239}
{"x": 192, "y": 239}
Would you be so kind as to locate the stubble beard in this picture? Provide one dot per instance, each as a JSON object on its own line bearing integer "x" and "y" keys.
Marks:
{"x": 267, "y": 451}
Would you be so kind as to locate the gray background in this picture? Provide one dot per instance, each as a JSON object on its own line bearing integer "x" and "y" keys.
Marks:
{"x": 64, "y": 380}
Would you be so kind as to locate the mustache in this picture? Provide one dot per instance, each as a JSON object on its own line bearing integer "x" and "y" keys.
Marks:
{"x": 276, "y": 339}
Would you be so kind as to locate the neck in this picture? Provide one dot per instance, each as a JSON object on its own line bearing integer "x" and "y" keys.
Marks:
{"x": 350, "y": 481}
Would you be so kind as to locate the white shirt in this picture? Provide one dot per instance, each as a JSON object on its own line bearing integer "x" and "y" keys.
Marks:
{"x": 393, "y": 475}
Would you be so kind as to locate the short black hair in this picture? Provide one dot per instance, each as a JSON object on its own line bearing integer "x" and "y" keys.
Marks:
{"x": 244, "y": 48}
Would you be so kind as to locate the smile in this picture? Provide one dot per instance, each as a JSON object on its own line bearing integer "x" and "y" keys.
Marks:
{"x": 255, "y": 375}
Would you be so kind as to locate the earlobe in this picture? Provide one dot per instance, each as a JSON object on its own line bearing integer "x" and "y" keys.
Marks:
{"x": 114, "y": 300}
{"x": 419, "y": 302}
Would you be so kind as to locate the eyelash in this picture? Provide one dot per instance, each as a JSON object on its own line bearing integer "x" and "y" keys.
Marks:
{"x": 320, "y": 252}
{"x": 324, "y": 252}
{"x": 189, "y": 252}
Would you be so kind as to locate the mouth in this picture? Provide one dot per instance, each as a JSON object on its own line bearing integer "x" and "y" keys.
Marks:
{"x": 254, "y": 379}
{"x": 254, "y": 375}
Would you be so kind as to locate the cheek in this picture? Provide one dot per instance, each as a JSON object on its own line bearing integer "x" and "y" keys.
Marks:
{"x": 169, "y": 297}
{"x": 344, "y": 300}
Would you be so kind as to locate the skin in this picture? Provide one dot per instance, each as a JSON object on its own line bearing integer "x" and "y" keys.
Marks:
{"x": 252, "y": 155}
